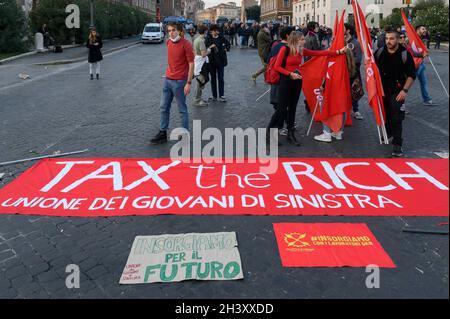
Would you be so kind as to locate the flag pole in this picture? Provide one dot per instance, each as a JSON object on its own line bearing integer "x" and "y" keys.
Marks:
{"x": 383, "y": 126}
{"x": 379, "y": 135}
{"x": 312, "y": 119}
{"x": 442, "y": 83}
{"x": 262, "y": 95}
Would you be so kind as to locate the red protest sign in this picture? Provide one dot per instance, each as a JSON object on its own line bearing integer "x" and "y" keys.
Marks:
{"x": 329, "y": 245}
{"x": 118, "y": 187}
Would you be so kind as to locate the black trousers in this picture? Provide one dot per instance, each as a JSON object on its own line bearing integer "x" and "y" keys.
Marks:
{"x": 395, "y": 114}
{"x": 217, "y": 73}
{"x": 288, "y": 96}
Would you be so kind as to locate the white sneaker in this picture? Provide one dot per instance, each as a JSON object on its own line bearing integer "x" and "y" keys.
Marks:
{"x": 324, "y": 137}
{"x": 201, "y": 103}
{"x": 357, "y": 115}
{"x": 283, "y": 132}
{"x": 337, "y": 135}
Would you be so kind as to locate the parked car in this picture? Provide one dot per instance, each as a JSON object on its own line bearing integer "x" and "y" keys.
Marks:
{"x": 153, "y": 32}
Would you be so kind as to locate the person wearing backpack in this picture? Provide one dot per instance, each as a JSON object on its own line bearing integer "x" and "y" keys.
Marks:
{"x": 275, "y": 48}
{"x": 287, "y": 64}
{"x": 397, "y": 77}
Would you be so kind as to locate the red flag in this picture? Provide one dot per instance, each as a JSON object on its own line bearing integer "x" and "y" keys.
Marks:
{"x": 337, "y": 95}
{"x": 328, "y": 84}
{"x": 373, "y": 79}
{"x": 336, "y": 23}
{"x": 416, "y": 43}
{"x": 314, "y": 71}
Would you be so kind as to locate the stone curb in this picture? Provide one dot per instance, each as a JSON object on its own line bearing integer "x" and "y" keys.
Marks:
{"x": 57, "y": 62}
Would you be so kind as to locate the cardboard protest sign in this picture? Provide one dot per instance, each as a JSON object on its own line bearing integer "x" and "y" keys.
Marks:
{"x": 299, "y": 186}
{"x": 173, "y": 258}
{"x": 329, "y": 245}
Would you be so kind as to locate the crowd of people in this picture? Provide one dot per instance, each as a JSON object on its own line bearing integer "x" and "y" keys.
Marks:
{"x": 203, "y": 59}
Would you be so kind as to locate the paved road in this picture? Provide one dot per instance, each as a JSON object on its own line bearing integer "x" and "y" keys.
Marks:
{"x": 117, "y": 115}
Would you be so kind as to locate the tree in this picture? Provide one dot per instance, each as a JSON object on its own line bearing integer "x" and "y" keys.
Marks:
{"x": 393, "y": 20}
{"x": 111, "y": 19}
{"x": 13, "y": 27}
{"x": 431, "y": 13}
{"x": 435, "y": 18}
{"x": 253, "y": 13}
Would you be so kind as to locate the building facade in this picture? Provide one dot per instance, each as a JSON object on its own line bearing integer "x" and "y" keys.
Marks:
{"x": 191, "y": 7}
{"x": 204, "y": 15}
{"x": 244, "y": 5}
{"x": 324, "y": 11}
{"x": 277, "y": 10}
{"x": 228, "y": 10}
{"x": 167, "y": 8}
{"x": 148, "y": 6}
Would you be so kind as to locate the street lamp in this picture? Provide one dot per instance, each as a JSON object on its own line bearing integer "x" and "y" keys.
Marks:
{"x": 92, "y": 13}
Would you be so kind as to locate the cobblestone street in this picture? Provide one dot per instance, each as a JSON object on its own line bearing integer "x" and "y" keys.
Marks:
{"x": 60, "y": 109}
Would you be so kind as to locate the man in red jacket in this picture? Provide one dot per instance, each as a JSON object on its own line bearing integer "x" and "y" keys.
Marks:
{"x": 179, "y": 74}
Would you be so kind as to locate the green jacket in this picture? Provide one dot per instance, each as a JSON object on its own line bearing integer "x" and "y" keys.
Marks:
{"x": 264, "y": 41}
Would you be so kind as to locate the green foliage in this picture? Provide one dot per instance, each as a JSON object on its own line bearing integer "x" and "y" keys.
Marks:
{"x": 394, "y": 19}
{"x": 13, "y": 27}
{"x": 435, "y": 18}
{"x": 426, "y": 4}
{"x": 110, "y": 19}
{"x": 253, "y": 13}
{"x": 431, "y": 13}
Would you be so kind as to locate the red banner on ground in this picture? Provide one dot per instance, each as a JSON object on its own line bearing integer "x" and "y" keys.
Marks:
{"x": 299, "y": 186}
{"x": 329, "y": 245}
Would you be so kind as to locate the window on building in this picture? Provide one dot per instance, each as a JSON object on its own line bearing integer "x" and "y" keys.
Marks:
{"x": 287, "y": 3}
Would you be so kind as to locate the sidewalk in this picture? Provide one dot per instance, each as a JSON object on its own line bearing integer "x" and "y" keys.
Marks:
{"x": 70, "y": 54}
{"x": 41, "y": 64}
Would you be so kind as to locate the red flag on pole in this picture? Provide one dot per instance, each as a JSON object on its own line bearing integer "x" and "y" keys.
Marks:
{"x": 315, "y": 71}
{"x": 327, "y": 89}
{"x": 373, "y": 79}
{"x": 337, "y": 94}
{"x": 416, "y": 43}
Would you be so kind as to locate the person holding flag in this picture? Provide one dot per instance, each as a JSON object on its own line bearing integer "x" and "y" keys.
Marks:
{"x": 397, "y": 76}
{"x": 289, "y": 60}
{"x": 421, "y": 55}
{"x": 420, "y": 52}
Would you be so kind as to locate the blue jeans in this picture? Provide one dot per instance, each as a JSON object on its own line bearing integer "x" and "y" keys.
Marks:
{"x": 173, "y": 89}
{"x": 355, "y": 106}
{"x": 241, "y": 40}
{"x": 217, "y": 73}
{"x": 423, "y": 83}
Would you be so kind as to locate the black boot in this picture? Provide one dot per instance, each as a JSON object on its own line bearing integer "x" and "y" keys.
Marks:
{"x": 397, "y": 151}
{"x": 160, "y": 138}
{"x": 92, "y": 76}
{"x": 269, "y": 139}
{"x": 291, "y": 138}
{"x": 98, "y": 76}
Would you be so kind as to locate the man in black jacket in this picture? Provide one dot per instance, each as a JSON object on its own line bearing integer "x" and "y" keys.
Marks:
{"x": 217, "y": 61}
{"x": 397, "y": 70}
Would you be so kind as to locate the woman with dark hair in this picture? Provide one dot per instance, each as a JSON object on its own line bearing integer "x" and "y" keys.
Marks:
{"x": 217, "y": 61}
{"x": 287, "y": 64}
{"x": 94, "y": 44}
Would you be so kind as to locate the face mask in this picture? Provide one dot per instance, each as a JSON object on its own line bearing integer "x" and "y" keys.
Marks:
{"x": 178, "y": 38}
